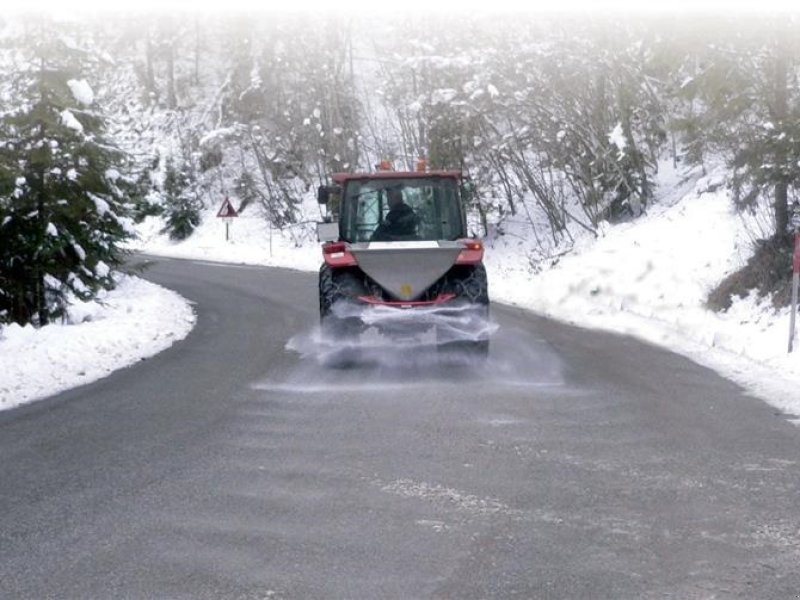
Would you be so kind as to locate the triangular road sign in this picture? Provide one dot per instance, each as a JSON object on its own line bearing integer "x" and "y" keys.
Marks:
{"x": 227, "y": 210}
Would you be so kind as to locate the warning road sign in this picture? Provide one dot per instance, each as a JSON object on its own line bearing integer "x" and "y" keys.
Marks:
{"x": 227, "y": 211}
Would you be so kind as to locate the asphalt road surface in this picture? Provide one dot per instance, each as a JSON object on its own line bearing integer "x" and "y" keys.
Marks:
{"x": 573, "y": 464}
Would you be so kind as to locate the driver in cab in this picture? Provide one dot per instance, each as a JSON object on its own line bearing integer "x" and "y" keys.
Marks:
{"x": 399, "y": 223}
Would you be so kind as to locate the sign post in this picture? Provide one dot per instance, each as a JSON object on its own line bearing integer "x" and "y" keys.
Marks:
{"x": 227, "y": 213}
{"x": 795, "y": 270}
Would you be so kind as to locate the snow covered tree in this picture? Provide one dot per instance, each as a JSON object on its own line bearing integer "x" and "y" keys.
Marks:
{"x": 766, "y": 159}
{"x": 741, "y": 100}
{"x": 62, "y": 216}
{"x": 288, "y": 112}
{"x": 181, "y": 206}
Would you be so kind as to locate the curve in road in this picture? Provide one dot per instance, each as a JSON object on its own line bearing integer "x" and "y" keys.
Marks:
{"x": 573, "y": 464}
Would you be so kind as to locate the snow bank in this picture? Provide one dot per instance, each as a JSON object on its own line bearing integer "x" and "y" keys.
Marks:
{"x": 659, "y": 268}
{"x": 136, "y": 320}
{"x": 650, "y": 279}
{"x": 250, "y": 242}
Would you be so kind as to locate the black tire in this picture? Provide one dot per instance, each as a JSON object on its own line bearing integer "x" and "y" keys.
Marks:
{"x": 328, "y": 293}
{"x": 471, "y": 288}
{"x": 470, "y": 285}
{"x": 339, "y": 286}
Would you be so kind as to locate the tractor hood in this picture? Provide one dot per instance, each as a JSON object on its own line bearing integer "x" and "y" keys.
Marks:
{"x": 406, "y": 269}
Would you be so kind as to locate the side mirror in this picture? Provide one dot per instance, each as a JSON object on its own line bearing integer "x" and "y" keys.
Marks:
{"x": 324, "y": 192}
{"x": 327, "y": 232}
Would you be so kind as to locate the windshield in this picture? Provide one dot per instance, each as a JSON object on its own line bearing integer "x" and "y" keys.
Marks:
{"x": 402, "y": 209}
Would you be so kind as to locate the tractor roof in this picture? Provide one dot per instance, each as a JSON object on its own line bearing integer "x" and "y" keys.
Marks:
{"x": 341, "y": 178}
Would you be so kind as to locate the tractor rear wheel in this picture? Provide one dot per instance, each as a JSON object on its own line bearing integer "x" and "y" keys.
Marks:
{"x": 470, "y": 286}
{"x": 338, "y": 308}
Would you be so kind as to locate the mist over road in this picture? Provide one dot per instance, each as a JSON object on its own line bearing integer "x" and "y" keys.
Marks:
{"x": 572, "y": 464}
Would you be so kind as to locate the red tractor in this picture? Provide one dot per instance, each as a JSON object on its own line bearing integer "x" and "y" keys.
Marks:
{"x": 397, "y": 242}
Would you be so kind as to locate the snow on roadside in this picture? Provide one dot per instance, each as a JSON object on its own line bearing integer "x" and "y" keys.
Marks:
{"x": 249, "y": 242}
{"x": 650, "y": 279}
{"x": 134, "y": 321}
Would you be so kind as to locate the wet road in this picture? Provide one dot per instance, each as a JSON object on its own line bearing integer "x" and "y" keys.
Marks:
{"x": 573, "y": 464}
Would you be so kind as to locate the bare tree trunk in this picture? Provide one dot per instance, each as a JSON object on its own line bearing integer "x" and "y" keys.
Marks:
{"x": 355, "y": 156}
{"x": 674, "y": 148}
{"x": 41, "y": 214}
{"x": 41, "y": 301}
{"x": 781, "y": 187}
{"x": 172, "y": 101}
{"x": 197, "y": 44}
{"x": 149, "y": 72}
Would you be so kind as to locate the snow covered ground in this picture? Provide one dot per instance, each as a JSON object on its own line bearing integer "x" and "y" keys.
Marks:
{"x": 648, "y": 278}
{"x": 136, "y": 320}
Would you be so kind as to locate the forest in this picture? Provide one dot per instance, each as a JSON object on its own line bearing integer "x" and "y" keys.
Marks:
{"x": 560, "y": 122}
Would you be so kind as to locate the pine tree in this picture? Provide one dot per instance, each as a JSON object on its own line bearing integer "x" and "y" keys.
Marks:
{"x": 62, "y": 217}
{"x": 764, "y": 154}
{"x": 182, "y": 211}
{"x": 740, "y": 100}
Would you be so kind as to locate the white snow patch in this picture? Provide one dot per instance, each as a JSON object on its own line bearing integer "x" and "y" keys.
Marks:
{"x": 101, "y": 205}
{"x": 136, "y": 320}
{"x": 78, "y": 285}
{"x": 51, "y": 282}
{"x": 617, "y": 137}
{"x": 102, "y": 269}
{"x": 81, "y": 91}
{"x": 79, "y": 251}
{"x": 69, "y": 120}
{"x": 52, "y": 230}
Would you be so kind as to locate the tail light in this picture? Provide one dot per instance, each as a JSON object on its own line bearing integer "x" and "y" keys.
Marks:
{"x": 471, "y": 254}
{"x": 337, "y": 254}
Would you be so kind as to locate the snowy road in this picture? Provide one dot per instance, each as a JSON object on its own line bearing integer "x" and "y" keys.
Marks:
{"x": 574, "y": 464}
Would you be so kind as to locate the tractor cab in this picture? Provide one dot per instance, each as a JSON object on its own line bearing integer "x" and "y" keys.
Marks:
{"x": 394, "y": 206}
